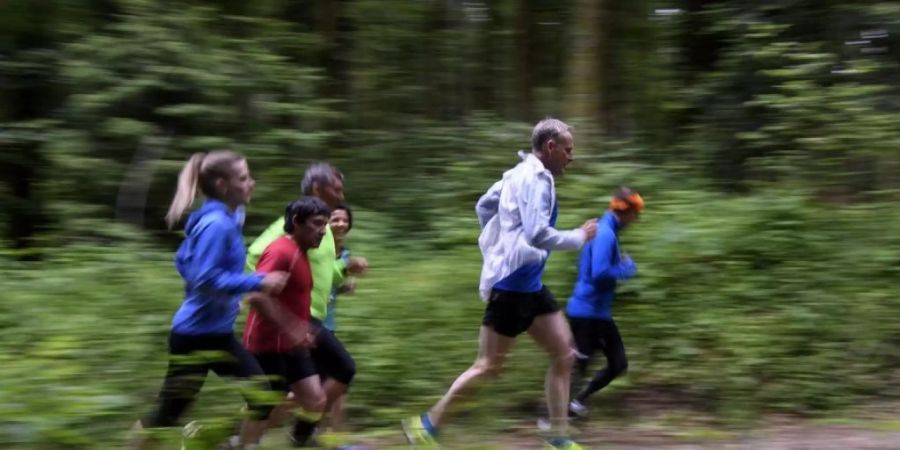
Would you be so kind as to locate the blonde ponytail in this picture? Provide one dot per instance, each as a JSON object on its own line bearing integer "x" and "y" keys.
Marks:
{"x": 201, "y": 172}
{"x": 188, "y": 182}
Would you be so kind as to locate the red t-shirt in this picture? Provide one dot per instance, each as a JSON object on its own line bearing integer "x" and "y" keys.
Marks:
{"x": 262, "y": 335}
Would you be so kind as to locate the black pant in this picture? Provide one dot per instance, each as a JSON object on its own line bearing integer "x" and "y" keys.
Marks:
{"x": 333, "y": 361}
{"x": 191, "y": 357}
{"x": 592, "y": 335}
{"x": 331, "y": 357}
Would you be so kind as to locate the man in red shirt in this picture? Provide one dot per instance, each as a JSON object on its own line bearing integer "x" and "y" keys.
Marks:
{"x": 278, "y": 329}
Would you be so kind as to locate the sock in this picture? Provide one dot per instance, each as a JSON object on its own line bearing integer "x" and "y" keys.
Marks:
{"x": 426, "y": 423}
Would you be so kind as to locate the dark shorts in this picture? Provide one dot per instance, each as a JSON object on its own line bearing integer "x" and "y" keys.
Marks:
{"x": 596, "y": 334}
{"x": 331, "y": 357}
{"x": 511, "y": 313}
{"x": 286, "y": 368}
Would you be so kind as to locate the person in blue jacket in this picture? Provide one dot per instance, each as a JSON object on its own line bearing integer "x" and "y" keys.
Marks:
{"x": 211, "y": 261}
{"x": 601, "y": 266}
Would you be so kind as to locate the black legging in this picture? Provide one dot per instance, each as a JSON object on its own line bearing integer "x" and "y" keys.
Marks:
{"x": 191, "y": 357}
{"x": 592, "y": 335}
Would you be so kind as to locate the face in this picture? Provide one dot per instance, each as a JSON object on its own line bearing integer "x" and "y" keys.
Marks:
{"x": 628, "y": 217}
{"x": 309, "y": 233}
{"x": 238, "y": 188}
{"x": 332, "y": 194}
{"x": 340, "y": 223}
{"x": 559, "y": 153}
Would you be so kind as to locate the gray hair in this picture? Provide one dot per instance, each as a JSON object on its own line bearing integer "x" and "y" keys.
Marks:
{"x": 546, "y": 130}
{"x": 319, "y": 174}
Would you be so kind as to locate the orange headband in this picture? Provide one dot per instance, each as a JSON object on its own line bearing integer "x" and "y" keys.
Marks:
{"x": 633, "y": 200}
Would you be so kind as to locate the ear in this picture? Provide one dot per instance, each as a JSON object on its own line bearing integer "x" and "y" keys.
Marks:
{"x": 221, "y": 186}
{"x": 551, "y": 145}
{"x": 316, "y": 191}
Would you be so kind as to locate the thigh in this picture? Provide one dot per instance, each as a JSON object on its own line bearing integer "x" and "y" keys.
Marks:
{"x": 239, "y": 362}
{"x": 493, "y": 347}
{"x": 612, "y": 344}
{"x": 331, "y": 358}
{"x": 298, "y": 365}
{"x": 187, "y": 364}
{"x": 584, "y": 336}
{"x": 185, "y": 376}
{"x": 508, "y": 313}
{"x": 273, "y": 366}
{"x": 552, "y": 334}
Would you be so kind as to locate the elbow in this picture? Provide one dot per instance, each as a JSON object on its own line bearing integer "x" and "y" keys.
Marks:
{"x": 537, "y": 238}
{"x": 537, "y": 243}
{"x": 603, "y": 280}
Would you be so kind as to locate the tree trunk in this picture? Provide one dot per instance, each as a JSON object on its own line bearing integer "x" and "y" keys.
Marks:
{"x": 584, "y": 80}
{"x": 524, "y": 64}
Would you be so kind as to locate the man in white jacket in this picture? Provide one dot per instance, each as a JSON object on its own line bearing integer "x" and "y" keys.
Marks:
{"x": 518, "y": 218}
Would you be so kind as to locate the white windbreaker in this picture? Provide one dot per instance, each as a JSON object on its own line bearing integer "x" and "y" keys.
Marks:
{"x": 514, "y": 215}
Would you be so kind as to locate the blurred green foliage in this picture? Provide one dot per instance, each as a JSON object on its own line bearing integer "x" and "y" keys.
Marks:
{"x": 763, "y": 135}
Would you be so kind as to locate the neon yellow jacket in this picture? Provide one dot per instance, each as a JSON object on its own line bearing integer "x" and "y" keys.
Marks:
{"x": 327, "y": 270}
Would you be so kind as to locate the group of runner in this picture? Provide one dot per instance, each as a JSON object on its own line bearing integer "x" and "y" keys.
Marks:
{"x": 299, "y": 266}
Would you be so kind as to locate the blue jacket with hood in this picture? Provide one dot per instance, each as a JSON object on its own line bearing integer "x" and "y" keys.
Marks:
{"x": 600, "y": 268}
{"x": 211, "y": 260}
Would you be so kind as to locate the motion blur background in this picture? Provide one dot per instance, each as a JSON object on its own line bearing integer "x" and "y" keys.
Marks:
{"x": 764, "y": 136}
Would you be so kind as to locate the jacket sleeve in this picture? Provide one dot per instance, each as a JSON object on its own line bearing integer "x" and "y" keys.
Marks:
{"x": 275, "y": 231}
{"x": 487, "y": 205}
{"x": 602, "y": 268}
{"x": 536, "y": 206}
{"x": 210, "y": 252}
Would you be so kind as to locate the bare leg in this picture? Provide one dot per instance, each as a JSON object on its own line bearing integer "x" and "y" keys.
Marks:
{"x": 137, "y": 439}
{"x": 251, "y": 432}
{"x": 336, "y": 414}
{"x": 306, "y": 393}
{"x": 335, "y": 391}
{"x": 551, "y": 333}
{"x": 492, "y": 351}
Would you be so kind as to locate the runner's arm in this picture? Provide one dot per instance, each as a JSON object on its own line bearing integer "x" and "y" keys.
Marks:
{"x": 211, "y": 248}
{"x": 602, "y": 268}
{"x": 256, "y": 249}
{"x": 536, "y": 206}
{"x": 487, "y": 205}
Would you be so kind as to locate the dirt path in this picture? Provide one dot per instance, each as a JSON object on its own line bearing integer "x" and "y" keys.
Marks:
{"x": 804, "y": 437}
{"x": 868, "y": 434}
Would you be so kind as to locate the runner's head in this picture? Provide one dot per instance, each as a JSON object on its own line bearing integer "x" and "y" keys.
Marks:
{"x": 305, "y": 220}
{"x": 627, "y": 205}
{"x": 341, "y": 221}
{"x": 222, "y": 175}
{"x": 324, "y": 181}
{"x": 553, "y": 144}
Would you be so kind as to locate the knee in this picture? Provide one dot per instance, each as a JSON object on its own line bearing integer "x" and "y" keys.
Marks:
{"x": 581, "y": 364}
{"x": 562, "y": 362}
{"x": 313, "y": 402}
{"x": 349, "y": 370}
{"x": 489, "y": 367}
{"x": 619, "y": 367}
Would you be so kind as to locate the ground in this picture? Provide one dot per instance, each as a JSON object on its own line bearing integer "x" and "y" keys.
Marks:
{"x": 869, "y": 428}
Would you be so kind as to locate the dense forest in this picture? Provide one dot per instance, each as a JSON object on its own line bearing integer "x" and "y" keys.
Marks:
{"x": 764, "y": 136}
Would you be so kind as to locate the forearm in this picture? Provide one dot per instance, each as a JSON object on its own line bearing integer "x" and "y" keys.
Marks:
{"x": 340, "y": 272}
{"x": 269, "y": 309}
{"x": 550, "y": 238}
{"x": 231, "y": 283}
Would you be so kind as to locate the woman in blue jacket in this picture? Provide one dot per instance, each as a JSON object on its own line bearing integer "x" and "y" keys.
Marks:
{"x": 600, "y": 267}
{"x": 211, "y": 260}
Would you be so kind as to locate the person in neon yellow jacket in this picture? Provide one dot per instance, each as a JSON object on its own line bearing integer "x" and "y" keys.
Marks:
{"x": 331, "y": 358}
